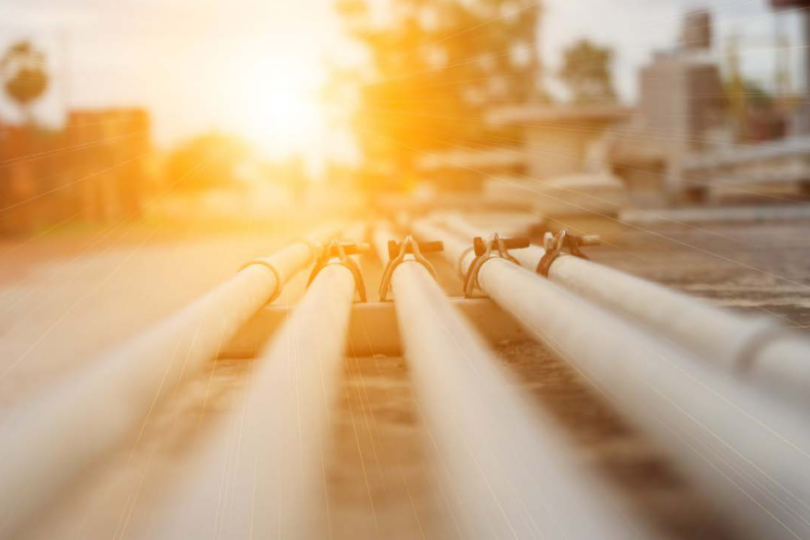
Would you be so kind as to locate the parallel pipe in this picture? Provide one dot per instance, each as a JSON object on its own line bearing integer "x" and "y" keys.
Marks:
{"x": 47, "y": 443}
{"x": 749, "y": 453}
{"x": 507, "y": 470}
{"x": 264, "y": 480}
{"x": 755, "y": 347}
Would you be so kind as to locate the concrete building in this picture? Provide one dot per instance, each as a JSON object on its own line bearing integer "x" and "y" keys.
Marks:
{"x": 111, "y": 147}
{"x": 801, "y": 125}
{"x": 466, "y": 169}
{"x": 681, "y": 101}
{"x": 559, "y": 169}
{"x": 697, "y": 31}
{"x": 682, "y": 110}
{"x": 691, "y": 143}
{"x": 558, "y": 138}
{"x": 93, "y": 170}
{"x": 32, "y": 173}
{"x": 556, "y": 141}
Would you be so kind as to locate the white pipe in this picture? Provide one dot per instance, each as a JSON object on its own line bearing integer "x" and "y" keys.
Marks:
{"x": 266, "y": 480}
{"x": 755, "y": 347}
{"x": 47, "y": 443}
{"x": 507, "y": 471}
{"x": 748, "y": 452}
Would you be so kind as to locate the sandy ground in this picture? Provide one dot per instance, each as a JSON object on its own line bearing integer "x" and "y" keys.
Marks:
{"x": 64, "y": 299}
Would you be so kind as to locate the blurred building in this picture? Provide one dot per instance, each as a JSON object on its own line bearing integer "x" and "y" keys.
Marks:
{"x": 681, "y": 100}
{"x": 108, "y": 161}
{"x": 697, "y": 30}
{"x": 695, "y": 135}
{"x": 682, "y": 109}
{"x": 801, "y": 123}
{"x": 558, "y": 169}
{"x": 557, "y": 138}
{"x": 465, "y": 169}
{"x": 92, "y": 170}
{"x": 32, "y": 173}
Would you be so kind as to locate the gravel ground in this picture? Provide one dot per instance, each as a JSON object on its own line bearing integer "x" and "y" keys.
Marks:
{"x": 62, "y": 300}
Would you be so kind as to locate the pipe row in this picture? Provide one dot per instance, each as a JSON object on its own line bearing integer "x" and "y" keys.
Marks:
{"x": 49, "y": 442}
{"x": 263, "y": 481}
{"x": 506, "y": 471}
{"x": 749, "y": 453}
{"x": 755, "y": 347}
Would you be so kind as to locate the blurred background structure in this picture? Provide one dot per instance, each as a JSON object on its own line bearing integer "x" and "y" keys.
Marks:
{"x": 409, "y": 96}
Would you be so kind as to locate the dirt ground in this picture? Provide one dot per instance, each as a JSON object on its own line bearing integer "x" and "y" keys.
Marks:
{"x": 63, "y": 299}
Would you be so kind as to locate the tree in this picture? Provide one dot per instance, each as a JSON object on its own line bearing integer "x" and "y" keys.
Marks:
{"x": 586, "y": 72}
{"x": 25, "y": 76}
{"x": 206, "y": 162}
{"x": 430, "y": 72}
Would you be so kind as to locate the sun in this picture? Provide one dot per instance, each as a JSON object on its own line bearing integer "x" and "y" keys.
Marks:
{"x": 281, "y": 112}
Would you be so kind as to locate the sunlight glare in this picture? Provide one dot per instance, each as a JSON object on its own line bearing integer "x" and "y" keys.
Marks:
{"x": 280, "y": 109}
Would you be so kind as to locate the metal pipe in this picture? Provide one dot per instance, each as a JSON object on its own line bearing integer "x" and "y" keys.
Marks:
{"x": 507, "y": 471}
{"x": 747, "y": 451}
{"x": 756, "y": 347}
{"x": 273, "y": 464}
{"x": 47, "y": 443}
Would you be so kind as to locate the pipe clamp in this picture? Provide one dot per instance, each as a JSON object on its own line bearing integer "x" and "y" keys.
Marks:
{"x": 336, "y": 252}
{"x": 494, "y": 248}
{"x": 396, "y": 256}
{"x": 555, "y": 243}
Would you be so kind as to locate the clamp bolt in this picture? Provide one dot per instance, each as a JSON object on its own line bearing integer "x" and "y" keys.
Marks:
{"x": 394, "y": 247}
{"x": 480, "y": 245}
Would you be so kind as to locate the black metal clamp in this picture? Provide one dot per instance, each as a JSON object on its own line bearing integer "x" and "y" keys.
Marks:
{"x": 336, "y": 252}
{"x": 555, "y": 243}
{"x": 396, "y": 256}
{"x": 494, "y": 247}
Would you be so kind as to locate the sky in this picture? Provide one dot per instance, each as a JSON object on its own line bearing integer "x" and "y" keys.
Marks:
{"x": 200, "y": 65}
{"x": 195, "y": 64}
